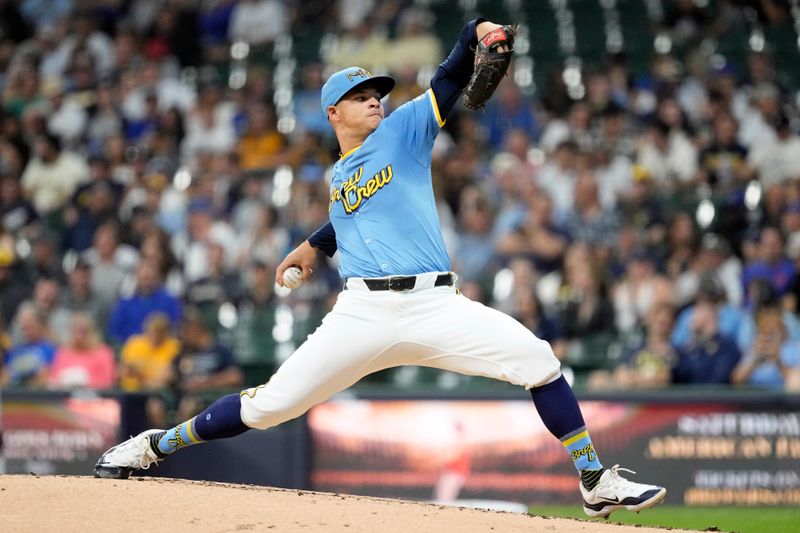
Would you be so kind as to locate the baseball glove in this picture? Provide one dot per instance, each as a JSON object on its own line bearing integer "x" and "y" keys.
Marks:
{"x": 490, "y": 66}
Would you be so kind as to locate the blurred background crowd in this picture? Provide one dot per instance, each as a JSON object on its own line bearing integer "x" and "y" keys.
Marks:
{"x": 631, "y": 193}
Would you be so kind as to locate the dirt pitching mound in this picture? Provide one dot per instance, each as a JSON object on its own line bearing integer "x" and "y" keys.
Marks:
{"x": 66, "y": 504}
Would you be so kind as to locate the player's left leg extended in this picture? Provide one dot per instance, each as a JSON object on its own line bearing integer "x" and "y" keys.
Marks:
{"x": 355, "y": 339}
{"x": 470, "y": 338}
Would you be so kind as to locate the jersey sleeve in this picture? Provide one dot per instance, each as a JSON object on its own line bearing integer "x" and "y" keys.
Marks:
{"x": 417, "y": 123}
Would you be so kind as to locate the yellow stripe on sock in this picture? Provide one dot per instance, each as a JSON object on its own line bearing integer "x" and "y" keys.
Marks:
{"x": 189, "y": 432}
{"x": 576, "y": 438}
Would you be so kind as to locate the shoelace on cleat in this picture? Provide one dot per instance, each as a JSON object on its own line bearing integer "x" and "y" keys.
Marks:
{"x": 618, "y": 480}
{"x": 144, "y": 462}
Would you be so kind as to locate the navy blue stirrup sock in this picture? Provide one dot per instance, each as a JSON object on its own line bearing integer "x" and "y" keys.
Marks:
{"x": 559, "y": 410}
{"x": 558, "y": 407}
{"x": 220, "y": 420}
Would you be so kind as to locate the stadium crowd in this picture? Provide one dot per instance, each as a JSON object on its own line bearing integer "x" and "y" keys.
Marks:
{"x": 155, "y": 167}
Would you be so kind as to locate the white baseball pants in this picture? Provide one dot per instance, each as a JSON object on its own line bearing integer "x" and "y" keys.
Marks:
{"x": 367, "y": 331}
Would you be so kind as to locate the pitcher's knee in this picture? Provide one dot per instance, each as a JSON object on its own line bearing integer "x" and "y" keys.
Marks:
{"x": 262, "y": 410}
{"x": 541, "y": 366}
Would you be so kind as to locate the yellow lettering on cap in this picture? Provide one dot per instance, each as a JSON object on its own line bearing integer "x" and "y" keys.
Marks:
{"x": 361, "y": 73}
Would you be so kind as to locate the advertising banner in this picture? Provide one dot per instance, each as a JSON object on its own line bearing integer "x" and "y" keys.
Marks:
{"x": 445, "y": 450}
{"x": 57, "y": 435}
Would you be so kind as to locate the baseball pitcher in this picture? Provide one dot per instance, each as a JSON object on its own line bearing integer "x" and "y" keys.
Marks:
{"x": 399, "y": 305}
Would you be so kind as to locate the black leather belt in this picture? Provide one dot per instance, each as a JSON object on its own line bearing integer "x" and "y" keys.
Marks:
{"x": 404, "y": 283}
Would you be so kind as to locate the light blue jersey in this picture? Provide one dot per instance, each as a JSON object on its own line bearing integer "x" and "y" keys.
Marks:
{"x": 382, "y": 205}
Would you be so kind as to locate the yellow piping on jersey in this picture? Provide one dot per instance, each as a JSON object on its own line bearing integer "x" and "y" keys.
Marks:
{"x": 435, "y": 105}
{"x": 349, "y": 152}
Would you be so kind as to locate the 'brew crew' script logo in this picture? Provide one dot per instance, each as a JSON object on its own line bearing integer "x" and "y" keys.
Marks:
{"x": 587, "y": 450}
{"x": 352, "y": 195}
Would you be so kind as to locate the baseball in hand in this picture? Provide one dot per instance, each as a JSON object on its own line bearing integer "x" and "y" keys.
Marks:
{"x": 292, "y": 277}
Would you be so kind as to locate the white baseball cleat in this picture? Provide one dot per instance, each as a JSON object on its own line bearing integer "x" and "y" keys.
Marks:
{"x": 614, "y": 492}
{"x": 132, "y": 454}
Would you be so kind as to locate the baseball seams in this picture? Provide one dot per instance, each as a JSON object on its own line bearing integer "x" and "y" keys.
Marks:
{"x": 292, "y": 277}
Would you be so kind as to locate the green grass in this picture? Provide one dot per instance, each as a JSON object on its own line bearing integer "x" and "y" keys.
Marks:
{"x": 738, "y": 519}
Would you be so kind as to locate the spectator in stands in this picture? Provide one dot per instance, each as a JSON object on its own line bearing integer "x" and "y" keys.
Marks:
{"x": 147, "y": 79}
{"x": 589, "y": 222}
{"x": 203, "y": 365}
{"x": 722, "y": 163}
{"x": 129, "y": 313}
{"x": 44, "y": 260}
{"x": 21, "y": 93}
{"x": 536, "y": 236}
{"x": 505, "y": 187}
{"x": 414, "y": 46}
{"x": 210, "y": 124}
{"x": 771, "y": 263}
{"x": 756, "y": 120}
{"x": 584, "y": 307}
{"x": 641, "y": 209}
{"x": 709, "y": 291}
{"x": 638, "y": 291}
{"x": 45, "y": 297}
{"x": 143, "y": 127}
{"x": 83, "y": 362}
{"x": 647, "y": 364}
{"x": 474, "y": 251}
{"x": 306, "y": 101}
{"x": 528, "y": 311}
{"x": 155, "y": 249}
{"x": 105, "y": 120}
{"x": 99, "y": 173}
{"x": 219, "y": 286}
{"x": 15, "y": 287}
{"x": 83, "y": 36}
{"x": 146, "y": 359}
{"x": 771, "y": 356}
{"x": 258, "y": 22}
{"x": 261, "y": 147}
{"x": 359, "y": 45}
{"x": 257, "y": 304}
{"x": 66, "y": 116}
{"x": 52, "y": 175}
{"x": 713, "y": 258}
{"x": 681, "y": 244}
{"x": 777, "y": 161}
{"x": 761, "y": 295}
{"x": 506, "y": 110}
{"x": 668, "y": 155}
{"x": 17, "y": 215}
{"x": 174, "y": 34}
{"x": 709, "y": 356}
{"x": 78, "y": 297}
{"x": 27, "y": 361}
{"x": 265, "y": 240}
{"x": 111, "y": 261}
{"x": 202, "y": 229}
{"x": 101, "y": 206}
{"x": 575, "y": 127}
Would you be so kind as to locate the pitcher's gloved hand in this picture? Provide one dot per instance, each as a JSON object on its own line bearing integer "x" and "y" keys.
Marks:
{"x": 492, "y": 58}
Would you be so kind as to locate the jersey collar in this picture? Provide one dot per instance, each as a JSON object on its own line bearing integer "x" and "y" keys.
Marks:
{"x": 342, "y": 157}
